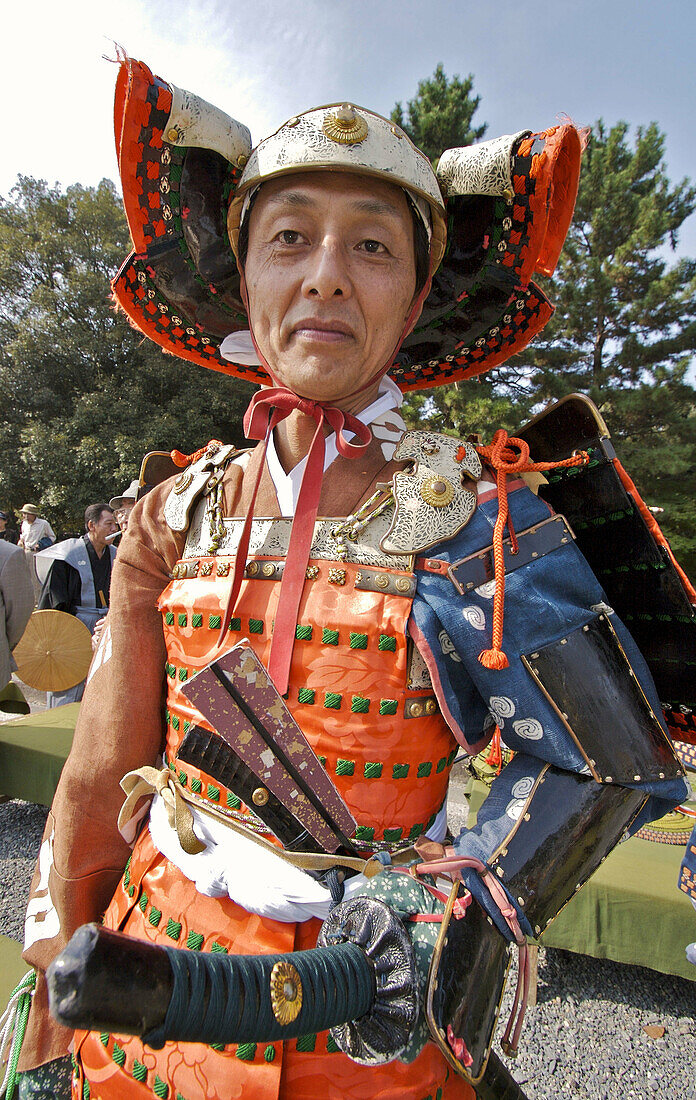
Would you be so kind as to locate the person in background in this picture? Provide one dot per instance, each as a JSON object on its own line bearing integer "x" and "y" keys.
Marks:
{"x": 37, "y": 533}
{"x": 16, "y": 605}
{"x": 123, "y": 506}
{"x": 7, "y": 534}
{"x": 77, "y": 579}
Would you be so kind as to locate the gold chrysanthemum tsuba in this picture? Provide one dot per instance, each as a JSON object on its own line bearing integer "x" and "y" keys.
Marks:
{"x": 345, "y": 125}
{"x": 437, "y": 491}
{"x": 286, "y": 992}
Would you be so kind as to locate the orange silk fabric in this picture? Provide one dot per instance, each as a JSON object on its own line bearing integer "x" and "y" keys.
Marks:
{"x": 392, "y": 770}
{"x": 364, "y": 664}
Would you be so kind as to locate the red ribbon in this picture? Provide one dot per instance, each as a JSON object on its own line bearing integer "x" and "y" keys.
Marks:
{"x": 266, "y": 410}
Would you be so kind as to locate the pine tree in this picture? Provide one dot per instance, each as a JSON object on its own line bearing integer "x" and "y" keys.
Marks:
{"x": 440, "y": 116}
{"x": 624, "y": 330}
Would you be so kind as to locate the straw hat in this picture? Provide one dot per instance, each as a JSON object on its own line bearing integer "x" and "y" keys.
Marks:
{"x": 55, "y": 651}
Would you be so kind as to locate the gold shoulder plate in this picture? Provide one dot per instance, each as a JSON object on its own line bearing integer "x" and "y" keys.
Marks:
{"x": 195, "y": 480}
{"x": 431, "y": 503}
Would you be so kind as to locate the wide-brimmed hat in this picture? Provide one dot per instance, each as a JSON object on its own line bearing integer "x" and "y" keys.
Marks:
{"x": 131, "y": 493}
{"x": 183, "y": 166}
{"x": 29, "y": 509}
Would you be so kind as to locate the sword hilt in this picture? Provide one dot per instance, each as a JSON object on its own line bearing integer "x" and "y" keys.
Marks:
{"x": 107, "y": 981}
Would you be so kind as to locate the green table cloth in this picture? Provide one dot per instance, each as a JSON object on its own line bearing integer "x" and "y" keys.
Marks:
{"x": 631, "y": 910}
{"x": 33, "y": 750}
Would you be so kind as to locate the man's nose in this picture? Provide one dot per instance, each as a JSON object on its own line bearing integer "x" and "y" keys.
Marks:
{"x": 327, "y": 274}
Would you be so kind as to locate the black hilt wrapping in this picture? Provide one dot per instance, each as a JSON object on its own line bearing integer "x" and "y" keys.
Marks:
{"x": 106, "y": 981}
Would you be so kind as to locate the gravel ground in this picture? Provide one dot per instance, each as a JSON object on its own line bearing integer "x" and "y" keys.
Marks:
{"x": 585, "y": 1037}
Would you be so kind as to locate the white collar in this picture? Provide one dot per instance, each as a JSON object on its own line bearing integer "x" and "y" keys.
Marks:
{"x": 382, "y": 416}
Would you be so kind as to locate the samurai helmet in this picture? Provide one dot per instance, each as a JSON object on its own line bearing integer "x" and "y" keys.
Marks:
{"x": 496, "y": 214}
{"x": 344, "y": 138}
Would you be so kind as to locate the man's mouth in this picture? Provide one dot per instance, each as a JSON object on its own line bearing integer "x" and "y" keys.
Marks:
{"x": 323, "y": 331}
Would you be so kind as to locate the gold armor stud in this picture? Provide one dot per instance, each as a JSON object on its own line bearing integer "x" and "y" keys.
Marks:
{"x": 402, "y": 584}
{"x": 268, "y": 569}
{"x": 437, "y": 491}
{"x": 286, "y": 992}
{"x": 182, "y": 482}
{"x": 337, "y": 576}
{"x": 346, "y": 126}
{"x": 223, "y": 568}
{"x": 206, "y": 568}
{"x": 382, "y": 580}
{"x": 260, "y": 796}
{"x": 312, "y": 572}
{"x": 241, "y": 160}
{"x": 173, "y": 134}
{"x": 252, "y": 569}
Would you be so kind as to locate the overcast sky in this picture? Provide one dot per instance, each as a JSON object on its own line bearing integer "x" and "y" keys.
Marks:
{"x": 264, "y": 60}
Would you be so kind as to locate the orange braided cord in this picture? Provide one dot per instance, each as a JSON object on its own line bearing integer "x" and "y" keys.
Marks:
{"x": 508, "y": 455}
{"x": 495, "y": 752}
{"x": 180, "y": 459}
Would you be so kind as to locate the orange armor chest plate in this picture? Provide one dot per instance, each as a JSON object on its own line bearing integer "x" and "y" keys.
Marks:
{"x": 358, "y": 690}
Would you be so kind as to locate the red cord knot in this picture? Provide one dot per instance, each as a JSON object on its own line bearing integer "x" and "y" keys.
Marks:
{"x": 508, "y": 455}
{"x": 461, "y": 905}
{"x": 458, "y": 1047}
{"x": 210, "y": 448}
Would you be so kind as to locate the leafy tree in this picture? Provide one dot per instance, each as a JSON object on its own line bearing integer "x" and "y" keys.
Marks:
{"x": 440, "y": 116}
{"x": 86, "y": 395}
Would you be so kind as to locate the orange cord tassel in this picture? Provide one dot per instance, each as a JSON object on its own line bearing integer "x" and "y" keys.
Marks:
{"x": 494, "y": 759}
{"x": 508, "y": 455}
{"x": 180, "y": 459}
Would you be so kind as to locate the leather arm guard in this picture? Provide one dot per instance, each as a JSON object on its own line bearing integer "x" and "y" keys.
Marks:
{"x": 626, "y": 549}
{"x": 578, "y": 707}
{"x": 566, "y": 827}
{"x": 544, "y": 830}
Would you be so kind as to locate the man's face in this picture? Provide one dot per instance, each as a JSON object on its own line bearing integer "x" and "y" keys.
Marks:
{"x": 29, "y": 517}
{"x": 3, "y": 524}
{"x": 105, "y": 525}
{"x": 121, "y": 514}
{"x": 330, "y": 273}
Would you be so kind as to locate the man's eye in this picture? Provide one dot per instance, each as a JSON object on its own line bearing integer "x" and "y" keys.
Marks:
{"x": 288, "y": 236}
{"x": 373, "y": 247}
